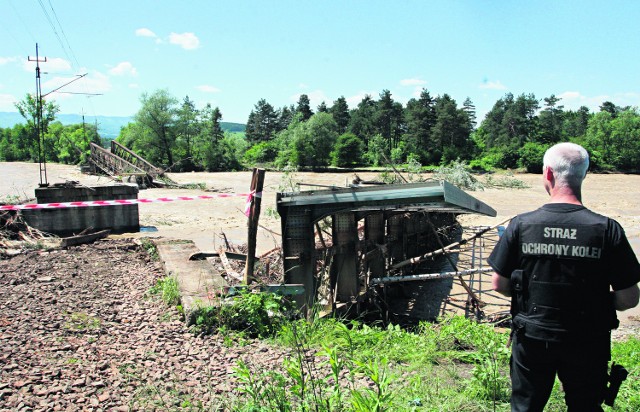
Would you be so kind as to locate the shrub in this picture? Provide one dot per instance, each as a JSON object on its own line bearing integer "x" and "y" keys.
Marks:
{"x": 484, "y": 164}
{"x": 508, "y": 157}
{"x": 260, "y": 153}
{"x": 255, "y": 314}
{"x": 488, "y": 162}
{"x": 531, "y": 155}
{"x": 348, "y": 151}
{"x": 376, "y": 150}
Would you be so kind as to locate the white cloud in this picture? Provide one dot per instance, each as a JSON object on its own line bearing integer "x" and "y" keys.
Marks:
{"x": 7, "y": 102}
{"x": 96, "y": 83}
{"x": 353, "y": 101}
{"x": 124, "y": 68}
{"x": 6, "y": 60}
{"x": 208, "y": 89}
{"x": 315, "y": 98}
{"x": 569, "y": 95}
{"x": 187, "y": 41}
{"x": 412, "y": 82}
{"x": 487, "y": 85}
{"x": 144, "y": 32}
{"x": 572, "y": 100}
{"x": 52, "y": 65}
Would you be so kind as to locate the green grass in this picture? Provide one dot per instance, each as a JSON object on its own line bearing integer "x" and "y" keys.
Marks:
{"x": 150, "y": 248}
{"x": 454, "y": 365}
{"x": 337, "y": 365}
{"x": 627, "y": 353}
{"x": 80, "y": 322}
{"x": 255, "y": 315}
{"x": 167, "y": 289}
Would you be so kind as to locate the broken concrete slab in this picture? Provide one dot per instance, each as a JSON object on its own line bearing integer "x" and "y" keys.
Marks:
{"x": 198, "y": 280}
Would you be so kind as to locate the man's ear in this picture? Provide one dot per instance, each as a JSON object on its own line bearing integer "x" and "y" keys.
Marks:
{"x": 548, "y": 173}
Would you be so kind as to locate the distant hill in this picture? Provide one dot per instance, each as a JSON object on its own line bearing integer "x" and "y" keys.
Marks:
{"x": 108, "y": 126}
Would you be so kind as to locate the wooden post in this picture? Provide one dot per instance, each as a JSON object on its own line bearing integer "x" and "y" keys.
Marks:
{"x": 257, "y": 182}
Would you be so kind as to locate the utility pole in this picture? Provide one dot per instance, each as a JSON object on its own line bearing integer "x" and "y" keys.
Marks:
{"x": 39, "y": 129}
{"x": 42, "y": 158}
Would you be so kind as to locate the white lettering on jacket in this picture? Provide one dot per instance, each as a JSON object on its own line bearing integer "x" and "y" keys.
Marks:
{"x": 561, "y": 250}
{"x": 560, "y": 233}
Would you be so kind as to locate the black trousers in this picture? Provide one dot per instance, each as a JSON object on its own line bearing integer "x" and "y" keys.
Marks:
{"x": 581, "y": 366}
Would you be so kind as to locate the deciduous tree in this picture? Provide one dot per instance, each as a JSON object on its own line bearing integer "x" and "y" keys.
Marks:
{"x": 29, "y": 108}
{"x": 348, "y": 151}
{"x": 158, "y": 116}
{"x": 314, "y": 140}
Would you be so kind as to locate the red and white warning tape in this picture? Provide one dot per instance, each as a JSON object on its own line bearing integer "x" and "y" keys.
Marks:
{"x": 121, "y": 202}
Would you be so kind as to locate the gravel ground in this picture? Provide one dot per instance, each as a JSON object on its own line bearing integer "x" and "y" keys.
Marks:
{"x": 79, "y": 332}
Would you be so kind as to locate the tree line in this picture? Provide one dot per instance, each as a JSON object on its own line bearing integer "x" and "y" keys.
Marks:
{"x": 62, "y": 144}
{"x": 436, "y": 131}
{"x": 427, "y": 130}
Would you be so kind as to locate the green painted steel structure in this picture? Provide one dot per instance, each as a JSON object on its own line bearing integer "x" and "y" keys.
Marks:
{"x": 299, "y": 211}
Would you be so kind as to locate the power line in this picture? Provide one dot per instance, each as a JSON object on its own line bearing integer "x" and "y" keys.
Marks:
{"x": 23, "y": 23}
{"x": 68, "y": 50}
{"x": 53, "y": 27}
{"x": 78, "y": 77}
{"x": 87, "y": 94}
{"x": 63, "y": 34}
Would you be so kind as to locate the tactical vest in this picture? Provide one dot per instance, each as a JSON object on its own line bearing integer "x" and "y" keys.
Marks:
{"x": 561, "y": 291}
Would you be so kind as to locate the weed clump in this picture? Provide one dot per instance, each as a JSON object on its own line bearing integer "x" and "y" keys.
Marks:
{"x": 168, "y": 290}
{"x": 252, "y": 314}
{"x": 150, "y": 247}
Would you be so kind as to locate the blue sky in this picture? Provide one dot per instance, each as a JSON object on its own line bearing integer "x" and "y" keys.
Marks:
{"x": 233, "y": 53}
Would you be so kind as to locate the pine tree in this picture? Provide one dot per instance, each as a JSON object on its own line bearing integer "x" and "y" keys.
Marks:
{"x": 340, "y": 112}
{"x": 304, "y": 107}
{"x": 470, "y": 110}
{"x": 262, "y": 123}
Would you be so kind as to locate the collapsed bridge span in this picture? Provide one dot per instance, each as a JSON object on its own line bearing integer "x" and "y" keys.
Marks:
{"x": 347, "y": 245}
{"x": 122, "y": 162}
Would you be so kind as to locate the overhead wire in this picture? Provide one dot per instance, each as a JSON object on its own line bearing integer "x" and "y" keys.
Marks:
{"x": 64, "y": 35}
{"x": 68, "y": 51}
{"x": 82, "y": 82}
{"x": 26, "y": 26}
{"x": 53, "y": 27}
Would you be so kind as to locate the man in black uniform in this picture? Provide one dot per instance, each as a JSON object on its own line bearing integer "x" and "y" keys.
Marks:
{"x": 559, "y": 264}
